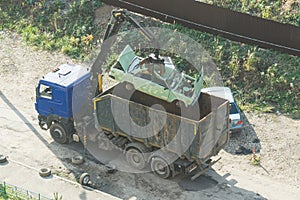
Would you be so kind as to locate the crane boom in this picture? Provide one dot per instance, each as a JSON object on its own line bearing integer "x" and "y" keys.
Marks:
{"x": 118, "y": 17}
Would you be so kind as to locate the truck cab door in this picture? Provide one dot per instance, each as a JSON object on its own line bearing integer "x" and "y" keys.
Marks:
{"x": 44, "y": 99}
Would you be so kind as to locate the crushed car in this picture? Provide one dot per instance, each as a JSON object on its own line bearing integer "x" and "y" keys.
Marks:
{"x": 157, "y": 77}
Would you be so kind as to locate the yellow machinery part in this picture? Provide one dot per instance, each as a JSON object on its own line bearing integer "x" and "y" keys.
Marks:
{"x": 100, "y": 82}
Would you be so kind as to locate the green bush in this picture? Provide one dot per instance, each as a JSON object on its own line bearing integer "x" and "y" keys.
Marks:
{"x": 53, "y": 25}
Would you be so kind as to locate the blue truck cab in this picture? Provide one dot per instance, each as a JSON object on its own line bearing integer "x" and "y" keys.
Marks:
{"x": 59, "y": 95}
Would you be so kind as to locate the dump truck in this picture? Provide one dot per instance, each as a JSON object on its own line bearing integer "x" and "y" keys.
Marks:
{"x": 149, "y": 130}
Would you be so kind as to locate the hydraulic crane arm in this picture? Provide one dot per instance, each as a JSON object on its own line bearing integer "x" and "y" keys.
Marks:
{"x": 118, "y": 18}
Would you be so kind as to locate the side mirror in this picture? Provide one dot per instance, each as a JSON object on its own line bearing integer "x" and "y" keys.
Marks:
{"x": 234, "y": 93}
{"x": 37, "y": 92}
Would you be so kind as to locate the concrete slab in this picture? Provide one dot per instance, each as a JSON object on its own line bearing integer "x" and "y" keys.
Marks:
{"x": 28, "y": 149}
{"x": 29, "y": 179}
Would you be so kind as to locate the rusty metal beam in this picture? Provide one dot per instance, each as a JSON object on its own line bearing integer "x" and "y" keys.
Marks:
{"x": 219, "y": 21}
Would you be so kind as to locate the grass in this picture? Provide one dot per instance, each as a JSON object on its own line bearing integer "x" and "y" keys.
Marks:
{"x": 265, "y": 80}
{"x": 16, "y": 193}
{"x": 53, "y": 25}
{"x": 10, "y": 195}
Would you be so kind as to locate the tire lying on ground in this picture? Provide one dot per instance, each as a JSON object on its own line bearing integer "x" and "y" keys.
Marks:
{"x": 44, "y": 172}
{"x": 2, "y": 158}
{"x": 85, "y": 179}
{"x": 77, "y": 160}
{"x": 111, "y": 169}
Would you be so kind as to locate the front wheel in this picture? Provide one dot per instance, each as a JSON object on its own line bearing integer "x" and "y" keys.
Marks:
{"x": 160, "y": 167}
{"x": 58, "y": 133}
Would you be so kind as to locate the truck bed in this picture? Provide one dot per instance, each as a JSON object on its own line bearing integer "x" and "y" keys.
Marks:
{"x": 186, "y": 132}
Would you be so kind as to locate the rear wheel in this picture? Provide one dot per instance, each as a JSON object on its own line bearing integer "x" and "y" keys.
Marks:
{"x": 160, "y": 167}
{"x": 135, "y": 158}
{"x": 58, "y": 133}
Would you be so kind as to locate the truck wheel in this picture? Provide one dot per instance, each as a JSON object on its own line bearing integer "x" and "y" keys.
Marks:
{"x": 160, "y": 167}
{"x": 135, "y": 158}
{"x": 58, "y": 133}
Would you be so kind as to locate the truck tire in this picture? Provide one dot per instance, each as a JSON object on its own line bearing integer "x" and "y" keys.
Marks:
{"x": 44, "y": 172}
{"x": 58, "y": 133}
{"x": 160, "y": 167}
{"x": 135, "y": 158}
{"x": 2, "y": 159}
{"x": 77, "y": 160}
{"x": 85, "y": 179}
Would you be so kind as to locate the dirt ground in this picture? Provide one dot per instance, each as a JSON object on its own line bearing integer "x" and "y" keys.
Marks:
{"x": 276, "y": 137}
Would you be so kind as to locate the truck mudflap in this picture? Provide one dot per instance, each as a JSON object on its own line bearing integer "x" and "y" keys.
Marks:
{"x": 202, "y": 170}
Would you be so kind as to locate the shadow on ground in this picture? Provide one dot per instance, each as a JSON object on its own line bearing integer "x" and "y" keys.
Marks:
{"x": 215, "y": 186}
{"x": 243, "y": 142}
{"x": 144, "y": 185}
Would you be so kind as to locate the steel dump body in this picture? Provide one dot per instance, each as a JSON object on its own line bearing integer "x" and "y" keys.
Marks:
{"x": 184, "y": 132}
